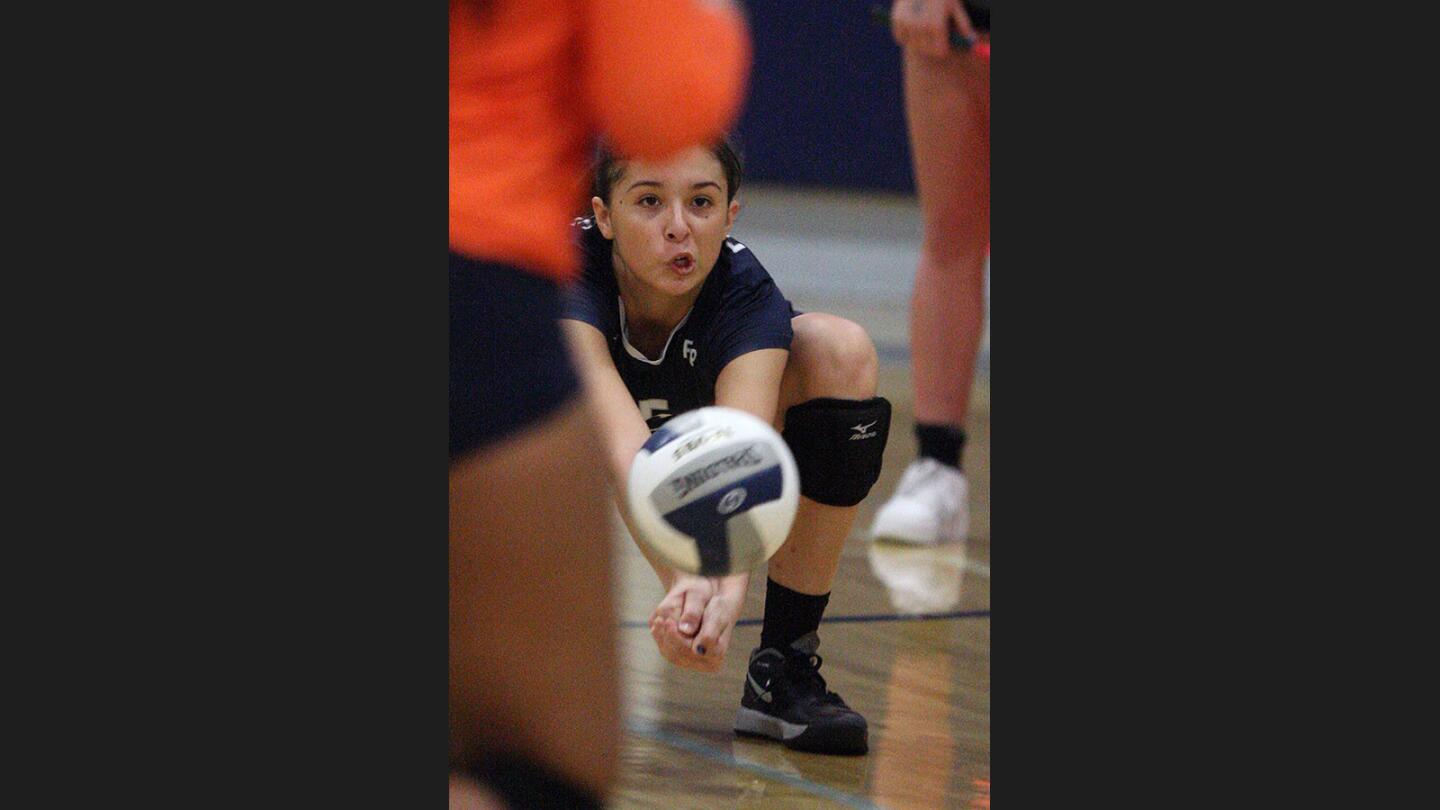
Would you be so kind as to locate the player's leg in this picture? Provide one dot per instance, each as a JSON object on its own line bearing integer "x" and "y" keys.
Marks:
{"x": 534, "y": 700}
{"x": 837, "y": 428}
{"x": 532, "y": 629}
{"x": 948, "y": 111}
{"x": 830, "y": 359}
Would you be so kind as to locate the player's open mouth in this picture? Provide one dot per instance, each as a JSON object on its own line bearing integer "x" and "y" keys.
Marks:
{"x": 683, "y": 264}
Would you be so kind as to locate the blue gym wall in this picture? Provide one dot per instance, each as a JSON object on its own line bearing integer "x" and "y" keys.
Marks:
{"x": 826, "y": 106}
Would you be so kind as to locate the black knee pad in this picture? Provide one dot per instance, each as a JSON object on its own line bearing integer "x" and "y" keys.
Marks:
{"x": 838, "y": 445}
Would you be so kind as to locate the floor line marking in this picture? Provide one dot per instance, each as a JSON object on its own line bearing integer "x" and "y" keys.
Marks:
{"x": 864, "y": 617}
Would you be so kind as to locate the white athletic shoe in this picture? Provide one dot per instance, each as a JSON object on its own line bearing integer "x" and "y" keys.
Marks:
{"x": 928, "y": 507}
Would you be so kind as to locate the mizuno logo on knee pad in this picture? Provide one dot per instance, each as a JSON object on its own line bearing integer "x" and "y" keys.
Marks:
{"x": 838, "y": 446}
{"x": 860, "y": 431}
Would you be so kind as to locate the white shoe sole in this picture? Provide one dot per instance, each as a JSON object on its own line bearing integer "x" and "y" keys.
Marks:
{"x": 848, "y": 738}
{"x": 749, "y": 721}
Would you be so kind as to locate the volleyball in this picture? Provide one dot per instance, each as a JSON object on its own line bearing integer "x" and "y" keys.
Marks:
{"x": 714, "y": 491}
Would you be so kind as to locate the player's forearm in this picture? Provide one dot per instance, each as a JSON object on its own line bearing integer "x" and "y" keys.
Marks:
{"x": 751, "y": 383}
{"x": 621, "y": 466}
{"x": 735, "y": 586}
{"x": 663, "y": 571}
{"x": 622, "y": 456}
{"x": 620, "y": 423}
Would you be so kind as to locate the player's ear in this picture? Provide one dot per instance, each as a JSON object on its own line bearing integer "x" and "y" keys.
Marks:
{"x": 602, "y": 217}
{"x": 731, "y": 213}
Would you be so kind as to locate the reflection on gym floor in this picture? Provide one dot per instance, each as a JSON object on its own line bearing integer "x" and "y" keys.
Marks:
{"x": 919, "y": 579}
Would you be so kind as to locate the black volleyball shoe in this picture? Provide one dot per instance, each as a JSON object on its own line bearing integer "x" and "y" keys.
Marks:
{"x": 785, "y": 699}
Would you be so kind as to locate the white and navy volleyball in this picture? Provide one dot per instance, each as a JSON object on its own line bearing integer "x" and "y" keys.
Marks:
{"x": 714, "y": 491}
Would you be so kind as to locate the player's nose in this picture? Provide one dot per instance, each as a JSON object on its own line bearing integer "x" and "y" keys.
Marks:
{"x": 676, "y": 229}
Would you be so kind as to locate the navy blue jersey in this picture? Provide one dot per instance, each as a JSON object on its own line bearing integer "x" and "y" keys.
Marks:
{"x": 739, "y": 310}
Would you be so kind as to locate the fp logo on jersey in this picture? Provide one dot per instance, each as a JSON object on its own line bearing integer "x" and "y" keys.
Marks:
{"x": 690, "y": 352}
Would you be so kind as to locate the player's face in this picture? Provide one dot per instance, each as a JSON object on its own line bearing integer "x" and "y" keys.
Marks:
{"x": 669, "y": 220}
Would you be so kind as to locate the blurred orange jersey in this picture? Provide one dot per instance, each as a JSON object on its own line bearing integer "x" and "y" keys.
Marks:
{"x": 533, "y": 81}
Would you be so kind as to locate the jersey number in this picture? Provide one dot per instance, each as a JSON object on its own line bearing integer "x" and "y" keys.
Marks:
{"x": 657, "y": 409}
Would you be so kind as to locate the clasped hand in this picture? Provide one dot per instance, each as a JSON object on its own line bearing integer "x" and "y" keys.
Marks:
{"x": 692, "y": 624}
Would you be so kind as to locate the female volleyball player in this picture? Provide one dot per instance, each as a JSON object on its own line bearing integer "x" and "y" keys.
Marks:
{"x": 947, "y": 107}
{"x": 670, "y": 314}
{"x": 531, "y": 83}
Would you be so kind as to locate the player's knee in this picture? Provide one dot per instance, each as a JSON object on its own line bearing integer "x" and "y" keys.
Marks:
{"x": 838, "y": 446}
{"x": 836, "y": 355}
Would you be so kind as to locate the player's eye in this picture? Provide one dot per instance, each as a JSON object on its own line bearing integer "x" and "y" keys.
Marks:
{"x": 649, "y": 200}
{"x": 702, "y": 202}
